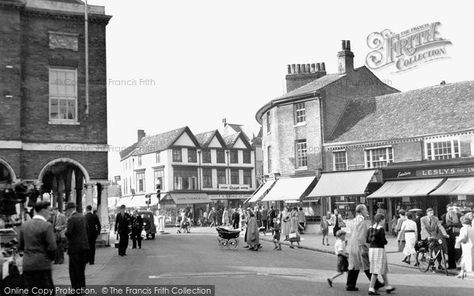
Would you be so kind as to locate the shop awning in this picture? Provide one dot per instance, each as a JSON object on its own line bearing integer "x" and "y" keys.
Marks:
{"x": 190, "y": 198}
{"x": 456, "y": 186}
{"x": 259, "y": 194}
{"x": 421, "y": 187}
{"x": 289, "y": 189}
{"x": 342, "y": 183}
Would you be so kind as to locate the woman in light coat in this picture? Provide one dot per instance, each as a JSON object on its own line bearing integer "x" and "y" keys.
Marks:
{"x": 409, "y": 232}
{"x": 285, "y": 223}
{"x": 294, "y": 224}
{"x": 466, "y": 240}
{"x": 225, "y": 217}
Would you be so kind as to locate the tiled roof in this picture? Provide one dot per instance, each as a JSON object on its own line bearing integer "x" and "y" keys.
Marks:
{"x": 313, "y": 85}
{"x": 230, "y": 139}
{"x": 427, "y": 111}
{"x": 125, "y": 152}
{"x": 205, "y": 138}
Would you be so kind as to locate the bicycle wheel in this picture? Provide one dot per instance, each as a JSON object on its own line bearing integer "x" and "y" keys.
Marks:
{"x": 422, "y": 260}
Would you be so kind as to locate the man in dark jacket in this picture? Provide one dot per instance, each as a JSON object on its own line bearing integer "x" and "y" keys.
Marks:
{"x": 37, "y": 240}
{"x": 122, "y": 227}
{"x": 236, "y": 219}
{"x": 93, "y": 231}
{"x": 78, "y": 246}
{"x": 137, "y": 227}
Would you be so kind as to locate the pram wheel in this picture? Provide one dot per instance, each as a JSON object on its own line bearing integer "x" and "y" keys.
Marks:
{"x": 222, "y": 242}
{"x": 233, "y": 243}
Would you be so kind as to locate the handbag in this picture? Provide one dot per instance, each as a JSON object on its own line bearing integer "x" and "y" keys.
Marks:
{"x": 293, "y": 235}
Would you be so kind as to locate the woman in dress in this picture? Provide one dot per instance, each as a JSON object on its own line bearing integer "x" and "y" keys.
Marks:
{"x": 409, "y": 231}
{"x": 466, "y": 239}
{"x": 225, "y": 217}
{"x": 285, "y": 223}
{"x": 294, "y": 224}
{"x": 252, "y": 235}
{"x": 377, "y": 256}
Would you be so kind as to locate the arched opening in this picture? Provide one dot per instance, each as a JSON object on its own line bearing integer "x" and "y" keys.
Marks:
{"x": 64, "y": 179}
{"x": 6, "y": 173}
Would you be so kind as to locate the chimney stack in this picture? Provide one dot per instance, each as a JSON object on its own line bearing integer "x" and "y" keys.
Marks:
{"x": 345, "y": 58}
{"x": 224, "y": 121}
{"x": 301, "y": 74}
{"x": 140, "y": 134}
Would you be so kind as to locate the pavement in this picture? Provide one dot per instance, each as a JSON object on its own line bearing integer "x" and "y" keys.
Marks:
{"x": 196, "y": 259}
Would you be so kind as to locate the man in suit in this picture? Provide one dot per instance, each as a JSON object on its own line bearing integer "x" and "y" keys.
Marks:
{"x": 78, "y": 246}
{"x": 93, "y": 230}
{"x": 431, "y": 228}
{"x": 37, "y": 241}
{"x": 122, "y": 227}
{"x": 59, "y": 222}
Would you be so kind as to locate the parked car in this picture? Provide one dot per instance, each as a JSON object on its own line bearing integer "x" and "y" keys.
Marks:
{"x": 149, "y": 223}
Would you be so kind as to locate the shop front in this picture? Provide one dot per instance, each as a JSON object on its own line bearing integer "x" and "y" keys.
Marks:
{"x": 172, "y": 203}
{"x": 344, "y": 191}
{"x": 425, "y": 185}
{"x": 228, "y": 200}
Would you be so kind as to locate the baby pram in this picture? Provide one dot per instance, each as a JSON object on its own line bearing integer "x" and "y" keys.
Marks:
{"x": 227, "y": 237}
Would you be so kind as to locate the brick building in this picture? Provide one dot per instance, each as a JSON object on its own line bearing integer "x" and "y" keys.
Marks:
{"x": 50, "y": 134}
{"x": 296, "y": 124}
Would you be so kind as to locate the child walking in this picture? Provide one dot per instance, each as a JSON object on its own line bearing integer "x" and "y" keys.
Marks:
{"x": 325, "y": 229}
{"x": 377, "y": 255}
{"x": 276, "y": 233}
{"x": 342, "y": 254}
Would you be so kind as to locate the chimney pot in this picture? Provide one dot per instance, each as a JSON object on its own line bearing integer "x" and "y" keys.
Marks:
{"x": 289, "y": 69}
{"x": 224, "y": 121}
{"x": 323, "y": 67}
{"x": 313, "y": 68}
{"x": 298, "y": 68}
{"x": 318, "y": 67}
{"x": 348, "y": 45}
{"x": 308, "y": 68}
{"x": 140, "y": 134}
{"x": 293, "y": 67}
{"x": 343, "y": 44}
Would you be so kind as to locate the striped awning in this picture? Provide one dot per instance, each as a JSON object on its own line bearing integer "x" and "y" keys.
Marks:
{"x": 421, "y": 187}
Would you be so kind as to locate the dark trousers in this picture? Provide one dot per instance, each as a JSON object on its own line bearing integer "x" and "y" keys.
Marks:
{"x": 137, "y": 237}
{"x": 235, "y": 224}
{"x": 123, "y": 243}
{"x": 265, "y": 224}
{"x": 38, "y": 278}
{"x": 92, "y": 240}
{"x": 352, "y": 276}
{"x": 59, "y": 254}
{"x": 451, "y": 241}
{"x": 77, "y": 268}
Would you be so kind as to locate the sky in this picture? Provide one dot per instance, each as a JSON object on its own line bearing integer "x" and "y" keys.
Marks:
{"x": 194, "y": 62}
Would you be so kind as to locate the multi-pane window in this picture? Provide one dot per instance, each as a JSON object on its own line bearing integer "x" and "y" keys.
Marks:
{"x": 221, "y": 178}
{"x": 378, "y": 157}
{"x": 185, "y": 178}
{"x": 269, "y": 158}
{"x": 140, "y": 178}
{"x": 158, "y": 176}
{"x": 234, "y": 176}
{"x": 234, "y": 156}
{"x": 340, "y": 160}
{"x": 157, "y": 157}
{"x": 301, "y": 157}
{"x": 192, "y": 157}
{"x": 63, "y": 95}
{"x": 300, "y": 112}
{"x": 139, "y": 160}
{"x": 269, "y": 122}
{"x": 220, "y": 156}
{"x": 248, "y": 177}
{"x": 247, "y": 156}
{"x": 177, "y": 155}
{"x": 206, "y": 156}
{"x": 207, "y": 178}
{"x": 442, "y": 149}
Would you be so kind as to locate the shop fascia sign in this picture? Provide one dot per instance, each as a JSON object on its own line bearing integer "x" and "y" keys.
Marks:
{"x": 228, "y": 196}
{"x": 233, "y": 187}
{"x": 434, "y": 172}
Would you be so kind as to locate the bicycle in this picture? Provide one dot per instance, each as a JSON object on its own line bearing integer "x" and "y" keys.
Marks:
{"x": 427, "y": 254}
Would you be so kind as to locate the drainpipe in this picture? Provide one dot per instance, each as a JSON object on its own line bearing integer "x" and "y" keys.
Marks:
{"x": 86, "y": 45}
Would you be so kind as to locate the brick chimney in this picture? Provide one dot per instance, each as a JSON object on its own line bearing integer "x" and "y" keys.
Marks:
{"x": 345, "y": 58}
{"x": 301, "y": 74}
{"x": 140, "y": 134}
{"x": 224, "y": 122}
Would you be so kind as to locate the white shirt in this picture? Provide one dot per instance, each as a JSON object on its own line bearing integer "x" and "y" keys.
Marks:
{"x": 39, "y": 217}
{"x": 340, "y": 247}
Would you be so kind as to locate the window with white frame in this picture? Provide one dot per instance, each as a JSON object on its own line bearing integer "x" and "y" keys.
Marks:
{"x": 220, "y": 153}
{"x": 185, "y": 178}
{"x": 158, "y": 176}
{"x": 234, "y": 156}
{"x": 192, "y": 156}
{"x": 378, "y": 157}
{"x": 234, "y": 177}
{"x": 206, "y": 156}
{"x": 248, "y": 177}
{"x": 340, "y": 160}
{"x": 300, "y": 113}
{"x": 62, "y": 95}
{"x": 221, "y": 178}
{"x": 247, "y": 156}
{"x": 177, "y": 155}
{"x": 140, "y": 178}
{"x": 301, "y": 157}
{"x": 444, "y": 149}
{"x": 269, "y": 122}
{"x": 207, "y": 178}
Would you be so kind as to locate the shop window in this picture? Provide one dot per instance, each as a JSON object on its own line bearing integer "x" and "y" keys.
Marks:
{"x": 206, "y": 156}
{"x": 340, "y": 160}
{"x": 62, "y": 95}
{"x": 207, "y": 178}
{"x": 221, "y": 178}
{"x": 301, "y": 157}
{"x": 192, "y": 157}
{"x": 378, "y": 157}
{"x": 177, "y": 155}
{"x": 300, "y": 113}
{"x": 234, "y": 156}
{"x": 220, "y": 156}
{"x": 234, "y": 177}
{"x": 442, "y": 149}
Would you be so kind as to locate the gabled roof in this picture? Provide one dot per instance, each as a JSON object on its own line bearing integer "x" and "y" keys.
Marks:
{"x": 230, "y": 140}
{"x": 422, "y": 112}
{"x": 204, "y": 139}
{"x": 156, "y": 143}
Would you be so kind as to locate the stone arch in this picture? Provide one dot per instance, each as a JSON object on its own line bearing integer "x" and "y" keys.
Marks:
{"x": 67, "y": 160}
{"x": 9, "y": 168}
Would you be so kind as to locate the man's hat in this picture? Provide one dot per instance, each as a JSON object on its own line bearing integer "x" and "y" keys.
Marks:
{"x": 70, "y": 205}
{"x": 122, "y": 206}
{"x": 429, "y": 210}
